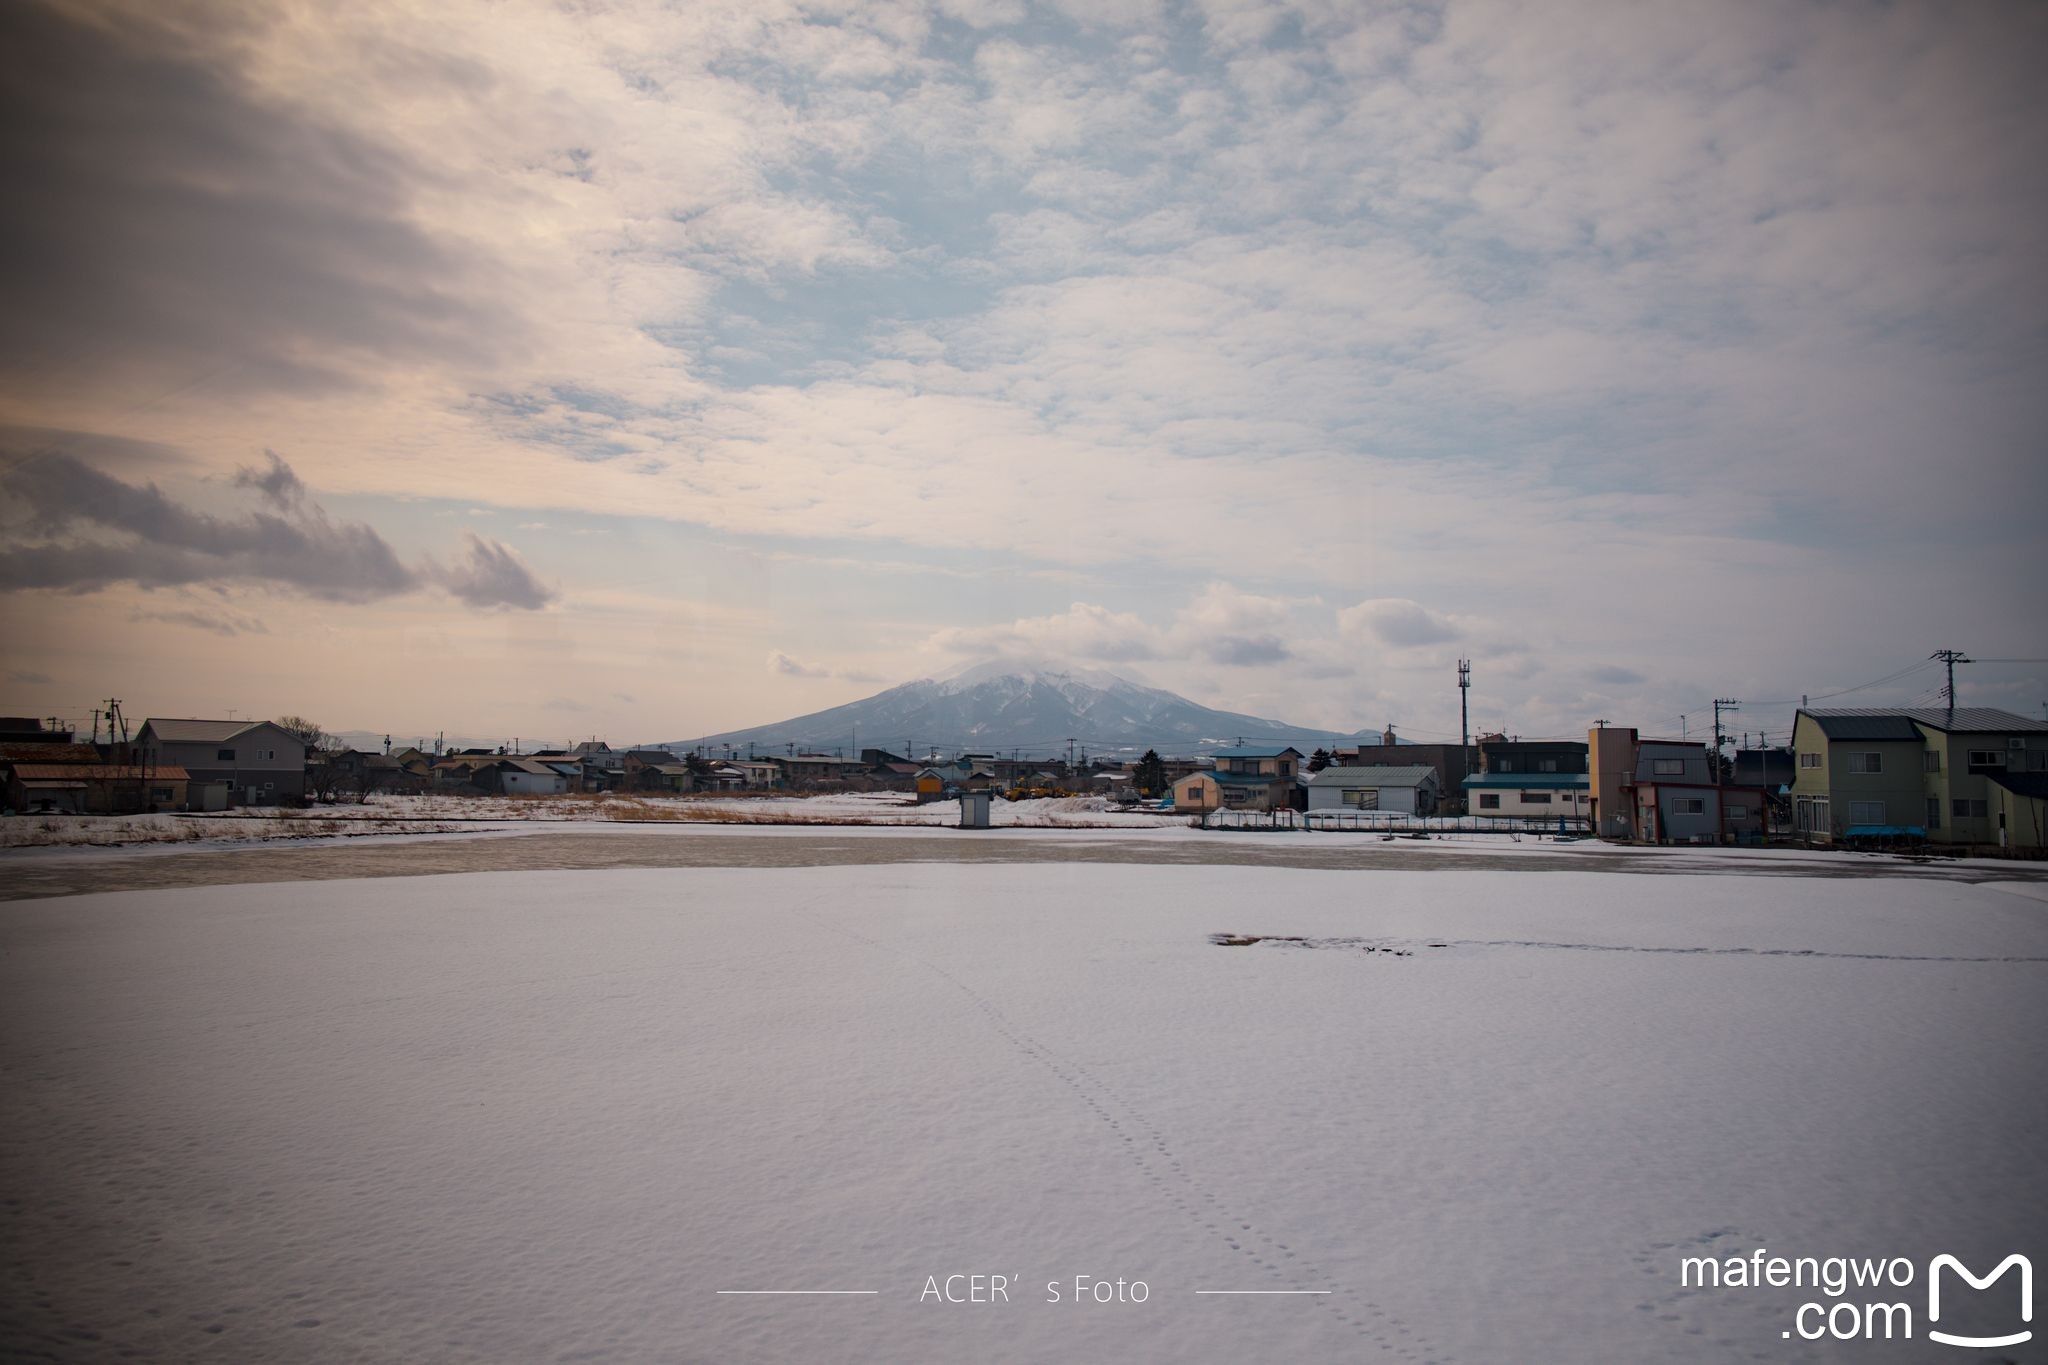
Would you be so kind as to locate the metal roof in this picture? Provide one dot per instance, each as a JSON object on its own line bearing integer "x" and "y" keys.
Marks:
{"x": 176, "y": 730}
{"x": 58, "y": 772}
{"x": 48, "y": 753}
{"x": 1866, "y": 725}
{"x": 2023, "y": 784}
{"x": 1963, "y": 719}
{"x": 1380, "y": 775}
{"x": 1259, "y": 751}
{"x": 1235, "y": 779}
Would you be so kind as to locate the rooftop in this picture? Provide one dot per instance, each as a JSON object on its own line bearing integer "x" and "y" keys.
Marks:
{"x": 1377, "y": 775}
{"x": 1963, "y": 719}
{"x": 1259, "y": 751}
{"x": 184, "y": 730}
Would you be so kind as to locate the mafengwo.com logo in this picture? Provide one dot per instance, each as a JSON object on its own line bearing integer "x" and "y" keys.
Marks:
{"x": 1880, "y": 1313}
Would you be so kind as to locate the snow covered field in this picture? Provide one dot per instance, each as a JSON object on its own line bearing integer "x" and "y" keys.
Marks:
{"x": 400, "y": 814}
{"x": 551, "y": 1115}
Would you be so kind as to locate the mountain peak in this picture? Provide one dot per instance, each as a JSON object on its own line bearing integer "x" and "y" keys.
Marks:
{"x": 1032, "y": 670}
{"x": 1039, "y": 706}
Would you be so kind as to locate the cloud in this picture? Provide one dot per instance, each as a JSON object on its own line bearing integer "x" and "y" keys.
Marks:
{"x": 279, "y": 485}
{"x": 1397, "y": 621}
{"x": 781, "y": 663}
{"x": 29, "y": 677}
{"x": 784, "y": 666}
{"x": 191, "y": 221}
{"x": 91, "y": 530}
{"x": 218, "y": 621}
{"x": 1221, "y": 624}
{"x": 491, "y": 574}
{"x": 1614, "y": 674}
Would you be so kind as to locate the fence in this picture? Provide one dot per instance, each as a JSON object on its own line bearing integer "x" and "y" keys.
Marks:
{"x": 1393, "y": 822}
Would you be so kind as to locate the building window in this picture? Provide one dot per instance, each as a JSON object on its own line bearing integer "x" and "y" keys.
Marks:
{"x": 1738, "y": 812}
{"x": 1489, "y": 801}
{"x": 1809, "y": 760}
{"x": 1932, "y": 761}
{"x": 1934, "y": 812}
{"x": 2037, "y": 760}
{"x": 1966, "y": 810}
{"x": 1689, "y": 805}
{"x": 1365, "y": 798}
{"x": 224, "y": 756}
{"x": 1667, "y": 767}
{"x": 1866, "y": 812}
{"x": 1862, "y": 762}
{"x": 1547, "y": 765}
{"x": 1986, "y": 758}
{"x": 1505, "y": 765}
{"x": 1535, "y": 798}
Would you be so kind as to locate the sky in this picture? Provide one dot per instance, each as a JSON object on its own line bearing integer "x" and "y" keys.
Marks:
{"x": 645, "y": 371}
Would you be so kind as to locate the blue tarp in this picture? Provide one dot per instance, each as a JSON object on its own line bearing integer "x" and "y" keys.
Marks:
{"x": 1884, "y": 832}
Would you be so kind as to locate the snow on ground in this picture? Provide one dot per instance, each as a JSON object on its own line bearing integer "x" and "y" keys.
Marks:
{"x": 405, "y": 814}
{"x": 122, "y": 831}
{"x": 549, "y": 1116}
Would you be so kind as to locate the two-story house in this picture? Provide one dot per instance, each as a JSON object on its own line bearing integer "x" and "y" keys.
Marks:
{"x": 260, "y": 763}
{"x": 1665, "y": 791}
{"x": 1931, "y": 771}
{"x": 1530, "y": 779}
{"x": 1253, "y": 777}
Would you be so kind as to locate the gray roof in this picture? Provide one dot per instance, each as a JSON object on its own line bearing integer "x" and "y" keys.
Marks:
{"x": 176, "y": 731}
{"x": 2022, "y": 784}
{"x": 1874, "y": 722}
{"x": 1409, "y": 775}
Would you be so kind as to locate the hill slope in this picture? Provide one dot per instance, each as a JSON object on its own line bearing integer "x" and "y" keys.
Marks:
{"x": 1036, "y": 708}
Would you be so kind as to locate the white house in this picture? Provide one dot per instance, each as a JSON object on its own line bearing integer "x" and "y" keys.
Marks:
{"x": 1529, "y": 796}
{"x": 1406, "y": 790}
{"x": 530, "y": 777}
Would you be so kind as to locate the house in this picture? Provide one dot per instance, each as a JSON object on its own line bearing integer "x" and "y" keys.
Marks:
{"x": 1918, "y": 771}
{"x": 819, "y": 772}
{"x": 1529, "y": 796}
{"x": 1410, "y": 789}
{"x": 532, "y": 777}
{"x": 941, "y": 779}
{"x": 1664, "y": 791}
{"x": 1257, "y": 777}
{"x": 473, "y": 772}
{"x": 1450, "y": 762}
{"x": 1499, "y": 754}
{"x": 260, "y": 762}
{"x": 758, "y": 774}
{"x": 95, "y": 788}
{"x": 672, "y": 778}
{"x": 1253, "y": 777}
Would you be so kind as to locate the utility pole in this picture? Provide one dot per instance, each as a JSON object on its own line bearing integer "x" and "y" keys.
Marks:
{"x": 1464, "y": 715}
{"x": 1721, "y": 704}
{"x": 1951, "y": 657}
{"x": 1720, "y": 806}
{"x": 1070, "y": 753}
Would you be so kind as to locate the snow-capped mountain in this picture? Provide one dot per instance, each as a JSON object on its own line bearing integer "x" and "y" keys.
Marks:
{"x": 1007, "y": 704}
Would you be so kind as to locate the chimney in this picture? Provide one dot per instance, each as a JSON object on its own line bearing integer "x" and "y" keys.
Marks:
{"x": 1387, "y": 735}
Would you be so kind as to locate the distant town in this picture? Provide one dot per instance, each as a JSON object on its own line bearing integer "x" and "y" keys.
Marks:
{"x": 1946, "y": 778}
